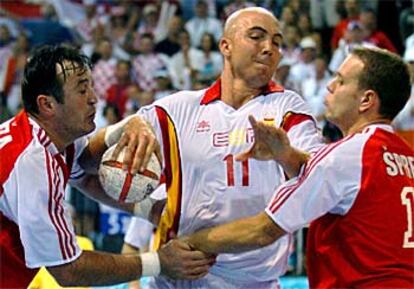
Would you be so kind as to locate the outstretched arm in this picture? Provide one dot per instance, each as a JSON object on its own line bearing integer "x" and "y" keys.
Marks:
{"x": 272, "y": 143}
{"x": 175, "y": 260}
{"x": 241, "y": 235}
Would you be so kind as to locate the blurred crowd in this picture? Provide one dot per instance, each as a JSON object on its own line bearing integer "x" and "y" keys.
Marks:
{"x": 143, "y": 50}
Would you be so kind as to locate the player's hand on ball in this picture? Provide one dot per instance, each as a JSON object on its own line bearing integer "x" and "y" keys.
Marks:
{"x": 124, "y": 186}
{"x": 138, "y": 143}
{"x": 178, "y": 261}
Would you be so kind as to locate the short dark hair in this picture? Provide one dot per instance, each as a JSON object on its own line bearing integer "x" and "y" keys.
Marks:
{"x": 41, "y": 77}
{"x": 386, "y": 74}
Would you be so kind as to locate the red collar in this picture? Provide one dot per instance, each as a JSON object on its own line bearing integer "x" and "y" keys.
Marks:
{"x": 214, "y": 91}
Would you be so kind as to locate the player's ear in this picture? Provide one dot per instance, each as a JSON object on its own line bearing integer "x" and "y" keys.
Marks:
{"x": 369, "y": 100}
{"x": 46, "y": 104}
{"x": 225, "y": 46}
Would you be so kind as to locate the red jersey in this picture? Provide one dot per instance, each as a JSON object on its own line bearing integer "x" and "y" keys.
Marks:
{"x": 360, "y": 192}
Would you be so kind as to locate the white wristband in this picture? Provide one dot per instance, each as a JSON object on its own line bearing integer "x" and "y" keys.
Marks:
{"x": 113, "y": 132}
{"x": 143, "y": 208}
{"x": 150, "y": 263}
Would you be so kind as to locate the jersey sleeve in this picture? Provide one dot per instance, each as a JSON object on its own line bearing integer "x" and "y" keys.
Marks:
{"x": 328, "y": 183}
{"x": 299, "y": 123}
{"x": 46, "y": 229}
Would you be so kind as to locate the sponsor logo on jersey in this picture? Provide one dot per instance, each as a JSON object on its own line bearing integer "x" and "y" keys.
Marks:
{"x": 237, "y": 137}
{"x": 203, "y": 126}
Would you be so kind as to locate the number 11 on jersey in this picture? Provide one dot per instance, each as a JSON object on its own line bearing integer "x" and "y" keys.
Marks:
{"x": 230, "y": 167}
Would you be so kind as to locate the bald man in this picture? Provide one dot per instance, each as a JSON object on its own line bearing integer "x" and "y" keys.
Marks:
{"x": 200, "y": 133}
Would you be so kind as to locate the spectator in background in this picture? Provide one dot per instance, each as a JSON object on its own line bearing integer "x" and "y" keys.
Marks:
{"x": 149, "y": 21}
{"x": 164, "y": 84}
{"x": 169, "y": 45}
{"x": 5, "y": 37}
{"x": 353, "y": 36}
{"x": 404, "y": 122}
{"x": 288, "y": 17}
{"x": 304, "y": 24}
{"x": 314, "y": 90}
{"x": 282, "y": 75}
{"x": 290, "y": 48}
{"x": 323, "y": 14}
{"x": 406, "y": 22}
{"x": 117, "y": 93}
{"x": 185, "y": 64}
{"x": 92, "y": 20}
{"x": 202, "y": 23}
{"x": 368, "y": 19}
{"x": 147, "y": 63}
{"x": 12, "y": 73}
{"x": 352, "y": 8}
{"x": 234, "y": 5}
{"x": 118, "y": 29}
{"x": 212, "y": 61}
{"x": 103, "y": 72}
{"x": 305, "y": 68}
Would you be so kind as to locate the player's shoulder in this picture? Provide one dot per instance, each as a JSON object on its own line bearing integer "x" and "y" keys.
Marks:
{"x": 383, "y": 136}
{"x": 18, "y": 153}
{"x": 285, "y": 96}
{"x": 181, "y": 99}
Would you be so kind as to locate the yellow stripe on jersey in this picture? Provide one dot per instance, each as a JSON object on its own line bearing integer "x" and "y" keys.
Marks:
{"x": 171, "y": 216}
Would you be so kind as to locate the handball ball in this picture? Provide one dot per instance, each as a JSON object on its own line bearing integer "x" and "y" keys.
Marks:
{"x": 122, "y": 185}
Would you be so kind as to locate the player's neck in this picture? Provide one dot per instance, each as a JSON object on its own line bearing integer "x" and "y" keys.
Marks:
{"x": 52, "y": 132}
{"x": 236, "y": 92}
{"x": 363, "y": 123}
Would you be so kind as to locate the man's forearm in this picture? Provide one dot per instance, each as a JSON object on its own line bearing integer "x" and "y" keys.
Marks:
{"x": 293, "y": 161}
{"x": 98, "y": 269}
{"x": 238, "y": 236}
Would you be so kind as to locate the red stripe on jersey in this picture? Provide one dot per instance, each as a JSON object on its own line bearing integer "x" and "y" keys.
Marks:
{"x": 245, "y": 181}
{"x": 50, "y": 204}
{"x": 71, "y": 239}
{"x": 58, "y": 197}
{"x": 214, "y": 91}
{"x": 162, "y": 118}
{"x": 169, "y": 222}
{"x": 285, "y": 192}
{"x": 290, "y": 119}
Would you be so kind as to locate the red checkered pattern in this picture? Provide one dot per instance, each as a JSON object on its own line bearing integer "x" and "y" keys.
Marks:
{"x": 144, "y": 68}
{"x": 104, "y": 76}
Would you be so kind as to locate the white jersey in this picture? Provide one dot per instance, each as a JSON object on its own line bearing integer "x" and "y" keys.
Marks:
{"x": 33, "y": 178}
{"x": 205, "y": 185}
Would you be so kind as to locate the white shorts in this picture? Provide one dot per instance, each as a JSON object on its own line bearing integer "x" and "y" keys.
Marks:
{"x": 210, "y": 282}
